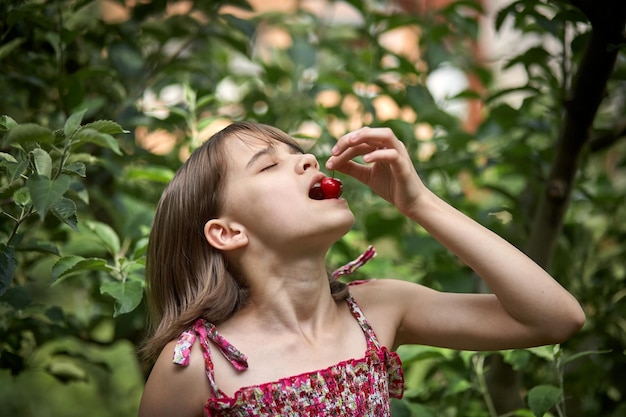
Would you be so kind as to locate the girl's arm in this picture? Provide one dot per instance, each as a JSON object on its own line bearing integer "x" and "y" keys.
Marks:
{"x": 528, "y": 306}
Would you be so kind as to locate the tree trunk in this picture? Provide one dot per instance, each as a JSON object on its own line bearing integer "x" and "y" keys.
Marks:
{"x": 587, "y": 93}
{"x": 608, "y": 19}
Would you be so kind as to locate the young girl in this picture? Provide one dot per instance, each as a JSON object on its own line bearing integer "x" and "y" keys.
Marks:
{"x": 249, "y": 322}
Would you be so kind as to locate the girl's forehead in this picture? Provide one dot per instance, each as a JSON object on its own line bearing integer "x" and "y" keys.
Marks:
{"x": 242, "y": 145}
{"x": 255, "y": 141}
{"x": 242, "y": 148}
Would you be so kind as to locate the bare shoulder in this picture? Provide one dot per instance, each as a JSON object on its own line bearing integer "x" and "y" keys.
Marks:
{"x": 384, "y": 303}
{"x": 173, "y": 389}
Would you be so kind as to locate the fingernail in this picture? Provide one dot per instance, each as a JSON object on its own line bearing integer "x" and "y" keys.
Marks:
{"x": 334, "y": 150}
{"x": 329, "y": 165}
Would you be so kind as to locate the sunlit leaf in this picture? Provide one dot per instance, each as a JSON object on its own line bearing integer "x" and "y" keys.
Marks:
{"x": 156, "y": 174}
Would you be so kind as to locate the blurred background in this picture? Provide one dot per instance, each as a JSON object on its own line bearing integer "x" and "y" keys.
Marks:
{"x": 513, "y": 111}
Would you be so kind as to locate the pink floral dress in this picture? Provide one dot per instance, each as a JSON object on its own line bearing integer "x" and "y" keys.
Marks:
{"x": 356, "y": 387}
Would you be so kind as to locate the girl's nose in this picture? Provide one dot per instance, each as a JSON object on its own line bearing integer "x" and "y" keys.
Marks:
{"x": 308, "y": 161}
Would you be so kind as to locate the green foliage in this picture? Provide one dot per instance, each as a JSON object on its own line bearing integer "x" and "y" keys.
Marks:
{"x": 79, "y": 183}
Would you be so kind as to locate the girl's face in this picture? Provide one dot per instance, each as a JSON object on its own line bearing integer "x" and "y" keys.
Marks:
{"x": 267, "y": 191}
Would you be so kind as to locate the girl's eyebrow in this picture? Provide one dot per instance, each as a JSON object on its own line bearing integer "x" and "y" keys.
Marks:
{"x": 270, "y": 150}
{"x": 265, "y": 151}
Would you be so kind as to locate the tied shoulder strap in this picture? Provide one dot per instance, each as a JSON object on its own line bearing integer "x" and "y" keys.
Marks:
{"x": 207, "y": 331}
{"x": 352, "y": 266}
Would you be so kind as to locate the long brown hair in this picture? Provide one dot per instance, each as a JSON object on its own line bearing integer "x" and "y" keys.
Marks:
{"x": 186, "y": 277}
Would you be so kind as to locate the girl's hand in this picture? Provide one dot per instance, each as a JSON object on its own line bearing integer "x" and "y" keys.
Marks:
{"x": 388, "y": 171}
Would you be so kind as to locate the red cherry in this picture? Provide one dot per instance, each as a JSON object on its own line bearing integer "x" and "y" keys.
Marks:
{"x": 331, "y": 187}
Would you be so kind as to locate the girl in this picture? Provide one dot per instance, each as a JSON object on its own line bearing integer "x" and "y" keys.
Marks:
{"x": 248, "y": 321}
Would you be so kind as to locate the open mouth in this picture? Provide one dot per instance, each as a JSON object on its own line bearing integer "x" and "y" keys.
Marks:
{"x": 326, "y": 188}
{"x": 316, "y": 192}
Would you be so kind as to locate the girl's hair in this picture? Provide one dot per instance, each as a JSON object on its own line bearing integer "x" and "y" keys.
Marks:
{"x": 186, "y": 277}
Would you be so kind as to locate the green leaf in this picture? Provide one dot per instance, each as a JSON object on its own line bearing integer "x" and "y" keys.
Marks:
{"x": 85, "y": 135}
{"x": 29, "y": 133}
{"x": 127, "y": 295}
{"x": 522, "y": 412}
{"x": 73, "y": 123}
{"x": 7, "y": 123}
{"x": 106, "y": 235}
{"x": 77, "y": 168}
{"x": 105, "y": 126}
{"x": 67, "y": 371}
{"x": 38, "y": 245}
{"x": 45, "y": 192}
{"x": 21, "y": 197}
{"x": 542, "y": 398}
{"x": 43, "y": 162}
{"x": 545, "y": 352}
{"x": 7, "y": 267}
{"x": 156, "y": 174}
{"x": 65, "y": 210}
{"x": 17, "y": 297}
{"x": 517, "y": 358}
{"x": 15, "y": 168}
{"x": 6, "y": 49}
{"x": 8, "y": 157}
{"x": 74, "y": 265}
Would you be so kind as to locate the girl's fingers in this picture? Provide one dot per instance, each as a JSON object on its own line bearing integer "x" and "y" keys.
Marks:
{"x": 381, "y": 137}
{"x": 381, "y": 155}
{"x": 366, "y": 142}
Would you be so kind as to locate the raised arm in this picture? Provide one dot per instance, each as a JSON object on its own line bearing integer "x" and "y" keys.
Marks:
{"x": 528, "y": 306}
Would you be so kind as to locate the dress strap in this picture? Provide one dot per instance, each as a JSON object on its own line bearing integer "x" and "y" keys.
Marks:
{"x": 393, "y": 363}
{"x": 352, "y": 266}
{"x": 360, "y": 318}
{"x": 207, "y": 331}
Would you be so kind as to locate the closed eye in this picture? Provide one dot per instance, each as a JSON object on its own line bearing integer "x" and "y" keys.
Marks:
{"x": 268, "y": 167}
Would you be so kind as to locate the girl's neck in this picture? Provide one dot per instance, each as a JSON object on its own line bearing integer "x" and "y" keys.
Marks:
{"x": 288, "y": 295}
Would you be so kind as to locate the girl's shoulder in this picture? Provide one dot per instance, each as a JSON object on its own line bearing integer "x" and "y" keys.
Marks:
{"x": 172, "y": 389}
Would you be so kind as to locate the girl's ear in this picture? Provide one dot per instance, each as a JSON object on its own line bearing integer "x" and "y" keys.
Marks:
{"x": 223, "y": 235}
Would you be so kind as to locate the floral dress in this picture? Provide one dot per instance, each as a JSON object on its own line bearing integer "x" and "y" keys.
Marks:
{"x": 356, "y": 387}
